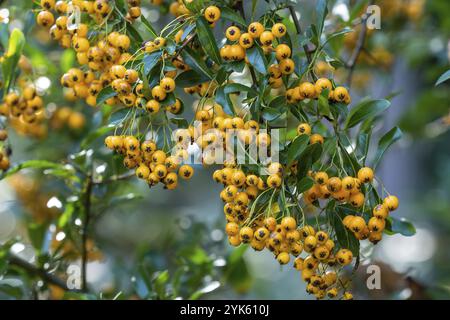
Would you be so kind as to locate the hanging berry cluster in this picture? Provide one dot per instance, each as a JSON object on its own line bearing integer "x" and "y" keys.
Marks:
{"x": 311, "y": 200}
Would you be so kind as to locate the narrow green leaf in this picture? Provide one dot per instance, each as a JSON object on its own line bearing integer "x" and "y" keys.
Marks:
{"x": 12, "y": 56}
{"x": 37, "y": 164}
{"x": 321, "y": 11}
{"x": 305, "y": 184}
{"x": 66, "y": 215}
{"x": 148, "y": 26}
{"x": 238, "y": 88}
{"x": 385, "y": 142}
{"x": 224, "y": 100}
{"x": 150, "y": 61}
{"x": 134, "y": 33}
{"x": 257, "y": 59}
{"x": 346, "y": 239}
{"x": 444, "y": 77}
{"x": 180, "y": 122}
{"x": 94, "y": 135}
{"x": 365, "y": 110}
{"x": 193, "y": 60}
{"x": 105, "y": 94}
{"x": 308, "y": 157}
{"x": 231, "y": 15}
{"x": 190, "y": 78}
{"x": 401, "y": 226}
{"x": 296, "y": 148}
{"x": 207, "y": 40}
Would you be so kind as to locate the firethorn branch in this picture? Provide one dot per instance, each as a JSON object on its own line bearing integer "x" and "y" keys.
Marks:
{"x": 351, "y": 64}
{"x": 299, "y": 32}
{"x": 239, "y": 5}
{"x": 84, "y": 249}
{"x": 32, "y": 269}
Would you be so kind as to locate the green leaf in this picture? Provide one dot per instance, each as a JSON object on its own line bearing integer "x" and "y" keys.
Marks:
{"x": 401, "y": 226}
{"x": 444, "y": 77}
{"x": 308, "y": 157}
{"x": 150, "y": 61}
{"x": 180, "y": 122}
{"x": 356, "y": 9}
{"x": 190, "y": 78}
{"x": 346, "y": 239}
{"x": 323, "y": 104}
{"x": 68, "y": 59}
{"x": 238, "y": 88}
{"x": 321, "y": 11}
{"x": 231, "y": 15}
{"x": 296, "y": 148}
{"x": 207, "y": 40}
{"x": 236, "y": 270}
{"x": 223, "y": 92}
{"x": 271, "y": 114}
{"x": 37, "y": 232}
{"x": 148, "y": 26}
{"x": 193, "y": 60}
{"x": 94, "y": 135}
{"x": 385, "y": 142}
{"x": 337, "y": 34}
{"x": 362, "y": 144}
{"x": 38, "y": 164}
{"x": 257, "y": 59}
{"x": 105, "y": 94}
{"x": 365, "y": 110}
{"x": 12, "y": 56}
{"x": 305, "y": 184}
{"x": 159, "y": 284}
{"x": 134, "y": 33}
{"x": 66, "y": 215}
{"x": 224, "y": 100}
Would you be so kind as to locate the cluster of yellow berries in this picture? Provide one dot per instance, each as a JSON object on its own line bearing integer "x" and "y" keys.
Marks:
{"x": 308, "y": 90}
{"x": 176, "y": 8}
{"x": 27, "y": 105}
{"x": 315, "y": 255}
{"x": 269, "y": 40}
{"x": 98, "y": 10}
{"x": 99, "y": 58}
{"x": 24, "y": 109}
{"x": 150, "y": 163}
{"x": 305, "y": 128}
{"x": 4, "y": 160}
{"x": 373, "y": 229}
{"x": 66, "y": 116}
{"x": 345, "y": 190}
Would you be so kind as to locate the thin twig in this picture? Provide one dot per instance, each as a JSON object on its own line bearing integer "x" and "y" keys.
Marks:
{"x": 299, "y": 32}
{"x": 32, "y": 269}
{"x": 115, "y": 178}
{"x": 87, "y": 211}
{"x": 351, "y": 64}
{"x": 239, "y": 6}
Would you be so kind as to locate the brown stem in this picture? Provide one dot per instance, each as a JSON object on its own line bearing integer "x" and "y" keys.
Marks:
{"x": 351, "y": 64}
{"x": 299, "y": 32}
{"x": 32, "y": 269}
{"x": 239, "y": 6}
{"x": 87, "y": 211}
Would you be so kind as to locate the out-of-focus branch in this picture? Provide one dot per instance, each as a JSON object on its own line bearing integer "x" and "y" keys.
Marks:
{"x": 351, "y": 64}
{"x": 87, "y": 218}
{"x": 32, "y": 269}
